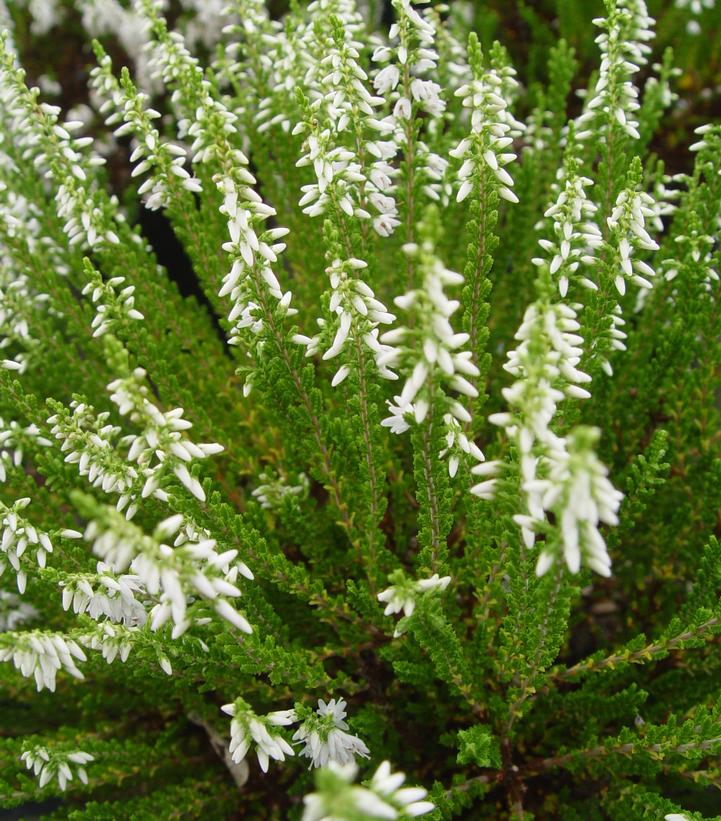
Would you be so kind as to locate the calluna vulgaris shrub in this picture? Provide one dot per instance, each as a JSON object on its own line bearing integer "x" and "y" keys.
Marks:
{"x": 409, "y": 507}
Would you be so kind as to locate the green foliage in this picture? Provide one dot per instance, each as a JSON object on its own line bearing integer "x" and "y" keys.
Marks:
{"x": 409, "y": 452}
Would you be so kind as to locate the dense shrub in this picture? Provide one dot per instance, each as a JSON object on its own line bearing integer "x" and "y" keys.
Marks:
{"x": 407, "y": 459}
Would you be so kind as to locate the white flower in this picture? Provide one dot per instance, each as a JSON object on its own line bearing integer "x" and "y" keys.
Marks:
{"x": 458, "y": 445}
{"x": 429, "y": 350}
{"x": 162, "y": 447}
{"x": 409, "y": 800}
{"x": 104, "y": 594}
{"x": 171, "y": 574}
{"x": 113, "y": 641}
{"x": 94, "y": 445}
{"x": 113, "y": 306}
{"x": 576, "y": 237}
{"x": 41, "y": 654}
{"x": 545, "y": 365}
{"x": 355, "y": 317}
{"x": 493, "y": 129}
{"x": 247, "y": 729}
{"x": 21, "y": 543}
{"x": 383, "y": 797}
{"x": 47, "y": 764}
{"x": 13, "y": 441}
{"x": 579, "y": 493}
{"x": 325, "y": 738}
{"x": 122, "y": 101}
{"x": 404, "y": 592}
{"x": 628, "y": 224}
{"x": 14, "y": 611}
{"x": 624, "y": 50}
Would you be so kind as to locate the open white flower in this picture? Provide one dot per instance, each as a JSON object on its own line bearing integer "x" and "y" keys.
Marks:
{"x": 324, "y": 736}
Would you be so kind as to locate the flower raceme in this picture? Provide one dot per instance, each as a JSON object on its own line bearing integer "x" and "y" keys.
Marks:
{"x": 168, "y": 574}
{"x": 578, "y": 492}
{"x": 47, "y": 764}
{"x": 559, "y": 475}
{"x": 355, "y": 317}
{"x": 428, "y": 350}
{"x": 323, "y": 734}
{"x": 248, "y": 729}
{"x": 493, "y": 128}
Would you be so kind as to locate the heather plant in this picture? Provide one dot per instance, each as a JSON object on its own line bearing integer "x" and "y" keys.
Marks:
{"x": 405, "y": 502}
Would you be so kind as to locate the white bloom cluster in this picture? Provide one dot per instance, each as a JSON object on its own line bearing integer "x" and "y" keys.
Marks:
{"x": 14, "y": 611}
{"x": 576, "y": 235}
{"x": 41, "y": 654}
{"x": 348, "y": 180}
{"x": 493, "y": 129}
{"x": 19, "y": 303}
{"x": 578, "y": 491}
{"x": 112, "y": 640}
{"x": 613, "y": 335}
{"x": 201, "y": 116}
{"x": 92, "y": 443}
{"x": 458, "y": 445}
{"x": 247, "y": 729}
{"x": 47, "y": 764}
{"x": 14, "y": 439}
{"x": 383, "y": 797}
{"x": 428, "y": 350}
{"x": 113, "y": 306}
{"x": 274, "y": 489}
{"x": 404, "y": 592}
{"x": 700, "y": 248}
{"x": 122, "y": 102}
{"x": 166, "y": 572}
{"x": 104, "y": 594}
{"x": 624, "y": 50}
{"x": 356, "y": 314}
{"x": 162, "y": 445}
{"x": 409, "y": 61}
{"x": 215, "y": 138}
{"x": 449, "y": 23}
{"x": 325, "y": 738}
{"x": 252, "y": 249}
{"x": 21, "y": 539}
{"x": 189, "y": 531}
{"x": 628, "y": 224}
{"x": 710, "y": 135}
{"x": 410, "y": 56}
{"x": 103, "y": 17}
{"x": 277, "y": 72}
{"x": 559, "y": 475}
{"x": 247, "y": 24}
{"x": 58, "y": 154}
{"x": 545, "y": 365}
{"x": 696, "y": 8}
